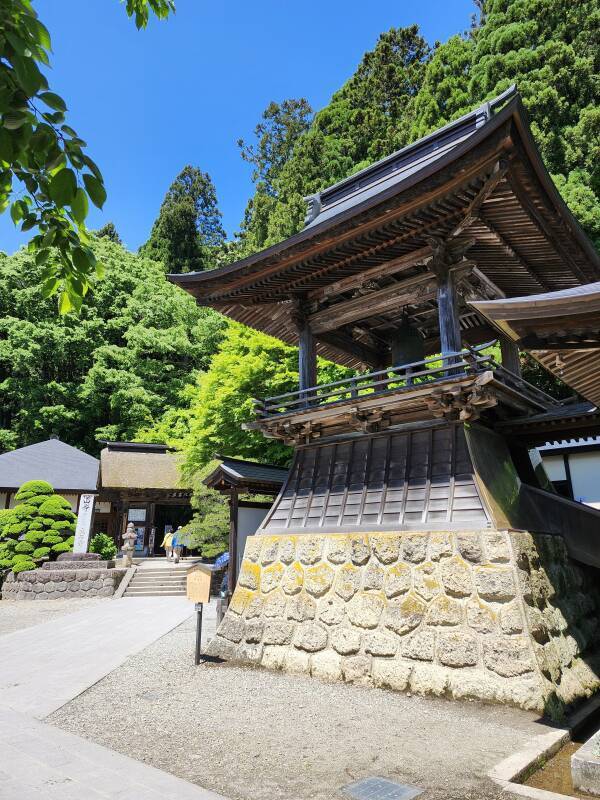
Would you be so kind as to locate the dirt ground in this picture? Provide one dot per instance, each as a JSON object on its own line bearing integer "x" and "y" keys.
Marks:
{"x": 251, "y": 734}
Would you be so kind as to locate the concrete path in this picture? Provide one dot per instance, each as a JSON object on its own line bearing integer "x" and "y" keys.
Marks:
{"x": 45, "y": 763}
{"x": 45, "y": 666}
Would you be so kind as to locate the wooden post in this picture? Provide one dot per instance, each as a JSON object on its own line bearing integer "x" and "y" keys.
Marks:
{"x": 510, "y": 355}
{"x": 307, "y": 353}
{"x": 450, "y": 338}
{"x": 233, "y": 541}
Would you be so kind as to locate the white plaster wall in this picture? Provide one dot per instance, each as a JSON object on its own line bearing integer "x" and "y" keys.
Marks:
{"x": 585, "y": 477}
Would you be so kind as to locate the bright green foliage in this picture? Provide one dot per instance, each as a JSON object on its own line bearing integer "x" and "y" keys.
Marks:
{"x": 188, "y": 231}
{"x": 208, "y": 530}
{"x": 43, "y": 160}
{"x": 103, "y": 544}
{"x": 110, "y": 371}
{"x": 23, "y": 544}
{"x": 249, "y": 364}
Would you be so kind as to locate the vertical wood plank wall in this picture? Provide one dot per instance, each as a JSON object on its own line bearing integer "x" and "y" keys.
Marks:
{"x": 394, "y": 481}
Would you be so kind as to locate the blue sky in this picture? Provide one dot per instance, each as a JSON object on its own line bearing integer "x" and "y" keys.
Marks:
{"x": 183, "y": 91}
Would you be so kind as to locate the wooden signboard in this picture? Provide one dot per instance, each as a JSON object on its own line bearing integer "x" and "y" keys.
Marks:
{"x": 198, "y": 585}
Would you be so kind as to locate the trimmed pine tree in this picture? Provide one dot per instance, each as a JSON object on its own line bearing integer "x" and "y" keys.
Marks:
{"x": 40, "y": 527}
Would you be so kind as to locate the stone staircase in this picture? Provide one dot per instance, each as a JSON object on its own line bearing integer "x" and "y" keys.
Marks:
{"x": 155, "y": 577}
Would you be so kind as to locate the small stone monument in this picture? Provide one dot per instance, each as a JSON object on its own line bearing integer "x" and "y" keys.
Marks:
{"x": 129, "y": 538}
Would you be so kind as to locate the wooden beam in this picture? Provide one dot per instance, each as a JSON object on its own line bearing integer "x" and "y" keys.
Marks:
{"x": 499, "y": 171}
{"x": 450, "y": 338}
{"x": 307, "y": 353}
{"x": 545, "y": 227}
{"x": 413, "y": 290}
{"x": 416, "y": 258}
{"x": 369, "y": 356}
{"x": 510, "y": 251}
{"x": 510, "y": 355}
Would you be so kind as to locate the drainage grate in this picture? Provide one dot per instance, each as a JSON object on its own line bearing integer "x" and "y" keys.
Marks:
{"x": 381, "y": 789}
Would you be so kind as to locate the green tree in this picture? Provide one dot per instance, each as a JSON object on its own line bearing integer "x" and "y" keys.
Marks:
{"x": 37, "y": 529}
{"x": 208, "y": 530}
{"x": 43, "y": 160}
{"x": 549, "y": 48}
{"x": 188, "y": 231}
{"x": 248, "y": 364}
{"x": 109, "y": 232}
{"x": 369, "y": 117}
{"x": 115, "y": 368}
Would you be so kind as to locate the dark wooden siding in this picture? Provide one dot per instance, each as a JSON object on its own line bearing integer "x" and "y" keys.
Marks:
{"x": 412, "y": 479}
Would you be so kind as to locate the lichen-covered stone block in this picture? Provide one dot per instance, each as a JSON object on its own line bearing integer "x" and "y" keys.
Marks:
{"x": 276, "y": 631}
{"x": 311, "y": 637}
{"x": 249, "y": 575}
{"x": 301, "y": 608}
{"x": 469, "y": 546}
{"x": 271, "y": 577}
{"x": 397, "y": 580}
{"x": 425, "y": 580}
{"x": 347, "y": 581}
{"x": 365, "y": 610}
{"x": 360, "y": 552}
{"x": 496, "y": 584}
{"x": 373, "y": 577}
{"x": 270, "y": 550}
{"x": 386, "y": 547}
{"x": 457, "y": 649}
{"x": 310, "y": 549}
{"x": 419, "y": 646}
{"x": 405, "y": 615}
{"x": 331, "y": 611}
{"x": 508, "y": 656}
{"x": 380, "y": 644}
{"x": 293, "y": 578}
{"x": 345, "y": 640}
{"x": 444, "y": 611}
{"x": 456, "y": 576}
{"x": 337, "y": 550}
{"x": 414, "y": 547}
{"x": 318, "y": 579}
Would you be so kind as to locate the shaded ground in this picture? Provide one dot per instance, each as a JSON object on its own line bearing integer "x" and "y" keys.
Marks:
{"x": 16, "y": 615}
{"x": 257, "y": 735}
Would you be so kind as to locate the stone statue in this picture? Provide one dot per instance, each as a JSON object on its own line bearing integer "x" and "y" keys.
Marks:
{"x": 129, "y": 538}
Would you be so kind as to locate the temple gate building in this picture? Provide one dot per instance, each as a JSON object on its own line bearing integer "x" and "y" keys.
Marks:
{"x": 416, "y": 544}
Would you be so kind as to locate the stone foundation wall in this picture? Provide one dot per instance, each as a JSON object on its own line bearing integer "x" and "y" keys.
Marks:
{"x": 494, "y": 615}
{"x": 54, "y": 584}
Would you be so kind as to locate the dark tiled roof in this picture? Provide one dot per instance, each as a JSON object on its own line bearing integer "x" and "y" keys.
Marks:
{"x": 247, "y": 472}
{"x": 395, "y": 168}
{"x": 62, "y": 465}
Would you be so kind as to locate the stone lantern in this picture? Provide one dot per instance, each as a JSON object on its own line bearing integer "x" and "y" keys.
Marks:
{"x": 129, "y": 538}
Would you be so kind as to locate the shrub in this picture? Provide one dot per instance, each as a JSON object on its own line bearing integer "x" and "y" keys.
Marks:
{"x": 103, "y": 544}
{"x": 38, "y": 528}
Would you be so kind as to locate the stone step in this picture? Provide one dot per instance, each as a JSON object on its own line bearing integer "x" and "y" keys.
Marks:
{"x": 156, "y": 584}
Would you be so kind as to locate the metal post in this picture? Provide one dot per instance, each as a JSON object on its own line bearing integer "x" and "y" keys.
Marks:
{"x": 198, "y": 632}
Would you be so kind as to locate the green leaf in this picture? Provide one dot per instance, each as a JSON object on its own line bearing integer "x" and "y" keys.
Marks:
{"x": 16, "y": 212}
{"x": 28, "y": 74}
{"x": 63, "y": 186}
{"x": 92, "y": 167}
{"x": 42, "y": 256}
{"x": 64, "y": 303}
{"x": 95, "y": 189}
{"x": 100, "y": 270}
{"x": 79, "y": 206}
{"x": 6, "y": 146}
{"x": 38, "y": 31}
{"x": 54, "y": 101}
{"x": 14, "y": 119}
{"x": 81, "y": 260}
{"x": 49, "y": 287}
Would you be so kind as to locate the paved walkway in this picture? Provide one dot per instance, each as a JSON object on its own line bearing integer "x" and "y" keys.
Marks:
{"x": 45, "y": 666}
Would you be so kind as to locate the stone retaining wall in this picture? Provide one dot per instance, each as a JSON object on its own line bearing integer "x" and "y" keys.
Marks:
{"x": 53, "y": 584}
{"x": 494, "y": 615}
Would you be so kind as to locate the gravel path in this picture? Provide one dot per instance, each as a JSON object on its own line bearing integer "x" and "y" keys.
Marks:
{"x": 16, "y": 615}
{"x": 251, "y": 734}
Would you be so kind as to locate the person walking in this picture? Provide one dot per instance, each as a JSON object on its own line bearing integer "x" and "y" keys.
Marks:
{"x": 167, "y": 543}
{"x": 177, "y": 544}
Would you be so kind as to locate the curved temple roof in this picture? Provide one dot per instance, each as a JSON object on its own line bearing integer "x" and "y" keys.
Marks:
{"x": 560, "y": 329}
{"x": 478, "y": 183}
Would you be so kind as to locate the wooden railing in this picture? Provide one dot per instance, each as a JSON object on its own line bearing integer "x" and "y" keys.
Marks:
{"x": 402, "y": 378}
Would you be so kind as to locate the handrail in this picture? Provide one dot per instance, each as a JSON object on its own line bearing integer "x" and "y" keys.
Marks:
{"x": 458, "y": 363}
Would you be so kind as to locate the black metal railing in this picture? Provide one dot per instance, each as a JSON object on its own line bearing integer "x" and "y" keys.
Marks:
{"x": 402, "y": 378}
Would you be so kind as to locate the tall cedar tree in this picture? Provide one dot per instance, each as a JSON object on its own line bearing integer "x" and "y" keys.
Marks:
{"x": 188, "y": 232}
